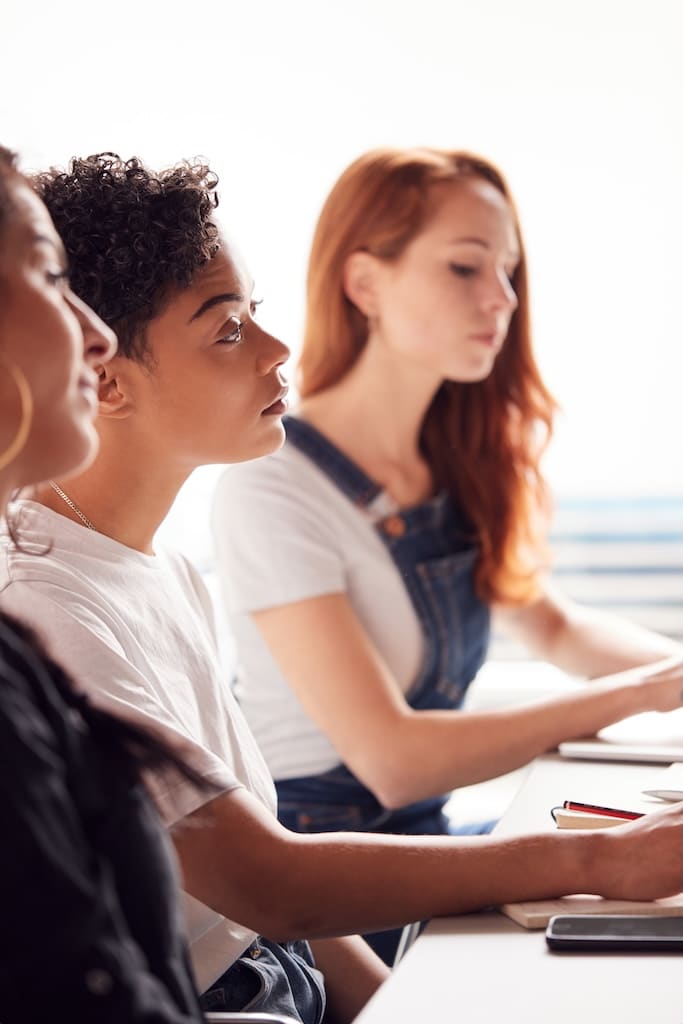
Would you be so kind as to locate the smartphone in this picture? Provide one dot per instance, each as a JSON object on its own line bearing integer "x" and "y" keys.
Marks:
{"x": 615, "y": 933}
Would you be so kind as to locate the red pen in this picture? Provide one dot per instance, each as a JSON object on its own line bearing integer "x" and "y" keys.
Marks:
{"x": 608, "y": 812}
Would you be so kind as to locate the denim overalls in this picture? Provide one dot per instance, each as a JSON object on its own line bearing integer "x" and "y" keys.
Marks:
{"x": 434, "y": 552}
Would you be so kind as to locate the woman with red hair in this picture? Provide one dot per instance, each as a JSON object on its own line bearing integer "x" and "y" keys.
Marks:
{"x": 361, "y": 563}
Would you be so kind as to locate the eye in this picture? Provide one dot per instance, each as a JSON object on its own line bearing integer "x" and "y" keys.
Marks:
{"x": 234, "y": 334}
{"x": 462, "y": 270}
{"x": 254, "y": 306}
{"x": 57, "y": 277}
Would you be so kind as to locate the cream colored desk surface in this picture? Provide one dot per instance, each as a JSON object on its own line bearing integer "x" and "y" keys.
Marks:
{"x": 485, "y": 968}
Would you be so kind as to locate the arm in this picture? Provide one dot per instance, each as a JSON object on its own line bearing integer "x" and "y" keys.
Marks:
{"x": 353, "y": 973}
{"x": 404, "y": 755}
{"x": 583, "y": 641}
{"x": 240, "y": 861}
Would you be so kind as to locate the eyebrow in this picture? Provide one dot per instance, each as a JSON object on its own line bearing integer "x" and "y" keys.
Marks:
{"x": 216, "y": 300}
{"x": 473, "y": 240}
{"x": 39, "y": 239}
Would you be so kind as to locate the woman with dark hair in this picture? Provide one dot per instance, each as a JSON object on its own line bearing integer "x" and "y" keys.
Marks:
{"x": 409, "y": 503}
{"x": 91, "y": 928}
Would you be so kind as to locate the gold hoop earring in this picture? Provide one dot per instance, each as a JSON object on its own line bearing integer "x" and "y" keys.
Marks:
{"x": 26, "y": 401}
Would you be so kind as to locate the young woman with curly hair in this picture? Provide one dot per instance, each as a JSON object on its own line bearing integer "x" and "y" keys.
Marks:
{"x": 409, "y": 502}
{"x": 204, "y": 385}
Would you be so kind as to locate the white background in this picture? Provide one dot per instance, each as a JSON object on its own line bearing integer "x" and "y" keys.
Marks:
{"x": 580, "y": 104}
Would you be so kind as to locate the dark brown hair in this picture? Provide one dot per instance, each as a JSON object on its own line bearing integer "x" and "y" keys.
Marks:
{"x": 133, "y": 236}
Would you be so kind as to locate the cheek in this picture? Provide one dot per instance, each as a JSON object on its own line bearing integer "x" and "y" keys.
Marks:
{"x": 61, "y": 358}
{"x": 406, "y": 316}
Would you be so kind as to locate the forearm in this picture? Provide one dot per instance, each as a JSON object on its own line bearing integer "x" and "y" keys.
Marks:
{"x": 363, "y": 882}
{"x": 237, "y": 859}
{"x": 240, "y": 861}
{"x": 403, "y": 879}
{"x": 586, "y": 641}
{"x": 431, "y": 752}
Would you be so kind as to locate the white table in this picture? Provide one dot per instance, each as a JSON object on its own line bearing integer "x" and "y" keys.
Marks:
{"x": 485, "y": 968}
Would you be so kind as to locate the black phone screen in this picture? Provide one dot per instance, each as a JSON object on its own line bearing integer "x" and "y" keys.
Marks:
{"x": 595, "y": 932}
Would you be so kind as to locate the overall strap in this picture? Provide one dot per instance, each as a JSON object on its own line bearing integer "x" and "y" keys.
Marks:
{"x": 349, "y": 477}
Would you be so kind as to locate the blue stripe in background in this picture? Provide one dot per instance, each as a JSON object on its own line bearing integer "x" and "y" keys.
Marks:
{"x": 634, "y": 523}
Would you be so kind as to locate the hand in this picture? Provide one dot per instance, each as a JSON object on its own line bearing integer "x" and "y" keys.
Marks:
{"x": 657, "y": 686}
{"x": 643, "y": 860}
{"x": 662, "y": 684}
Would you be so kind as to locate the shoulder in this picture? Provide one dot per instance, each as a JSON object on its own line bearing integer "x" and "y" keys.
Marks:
{"x": 27, "y": 696}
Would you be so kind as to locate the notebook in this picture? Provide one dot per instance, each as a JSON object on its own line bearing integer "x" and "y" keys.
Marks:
{"x": 536, "y": 914}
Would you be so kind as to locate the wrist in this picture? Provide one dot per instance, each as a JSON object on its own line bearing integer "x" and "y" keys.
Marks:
{"x": 580, "y": 860}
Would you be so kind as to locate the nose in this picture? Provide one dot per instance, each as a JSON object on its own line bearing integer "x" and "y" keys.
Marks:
{"x": 272, "y": 353}
{"x": 500, "y": 294}
{"x": 99, "y": 341}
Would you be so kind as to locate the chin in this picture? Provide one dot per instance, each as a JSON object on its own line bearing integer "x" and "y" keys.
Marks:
{"x": 265, "y": 445}
{"x": 474, "y": 372}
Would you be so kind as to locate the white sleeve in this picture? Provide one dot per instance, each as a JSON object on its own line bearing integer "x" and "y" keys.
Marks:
{"x": 76, "y": 634}
{"x": 275, "y": 540}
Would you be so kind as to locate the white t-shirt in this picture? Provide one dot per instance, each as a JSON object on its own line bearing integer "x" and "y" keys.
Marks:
{"x": 136, "y": 632}
{"x": 285, "y": 532}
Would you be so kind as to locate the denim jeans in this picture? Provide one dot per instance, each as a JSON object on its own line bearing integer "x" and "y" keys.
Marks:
{"x": 271, "y": 978}
{"x": 433, "y": 549}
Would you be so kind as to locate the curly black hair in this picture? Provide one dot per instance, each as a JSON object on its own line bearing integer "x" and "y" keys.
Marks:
{"x": 133, "y": 236}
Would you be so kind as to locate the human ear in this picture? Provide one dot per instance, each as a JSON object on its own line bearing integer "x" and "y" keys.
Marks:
{"x": 115, "y": 388}
{"x": 359, "y": 281}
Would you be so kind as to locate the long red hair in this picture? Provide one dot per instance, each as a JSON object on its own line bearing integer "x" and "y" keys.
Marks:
{"x": 483, "y": 440}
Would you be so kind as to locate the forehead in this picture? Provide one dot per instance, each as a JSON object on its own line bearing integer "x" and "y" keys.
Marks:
{"x": 29, "y": 222}
{"x": 225, "y": 274}
{"x": 31, "y": 214}
{"x": 472, "y": 208}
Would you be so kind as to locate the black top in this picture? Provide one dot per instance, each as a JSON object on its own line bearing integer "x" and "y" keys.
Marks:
{"x": 90, "y": 926}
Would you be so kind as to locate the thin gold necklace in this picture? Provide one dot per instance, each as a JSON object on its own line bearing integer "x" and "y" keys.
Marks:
{"x": 72, "y": 505}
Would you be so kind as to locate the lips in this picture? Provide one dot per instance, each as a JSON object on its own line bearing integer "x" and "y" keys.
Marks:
{"x": 88, "y": 386}
{"x": 492, "y": 337}
{"x": 279, "y": 405}
{"x": 88, "y": 381}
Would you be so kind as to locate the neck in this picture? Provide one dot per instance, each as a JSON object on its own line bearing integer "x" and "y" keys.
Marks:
{"x": 124, "y": 500}
{"x": 389, "y": 399}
